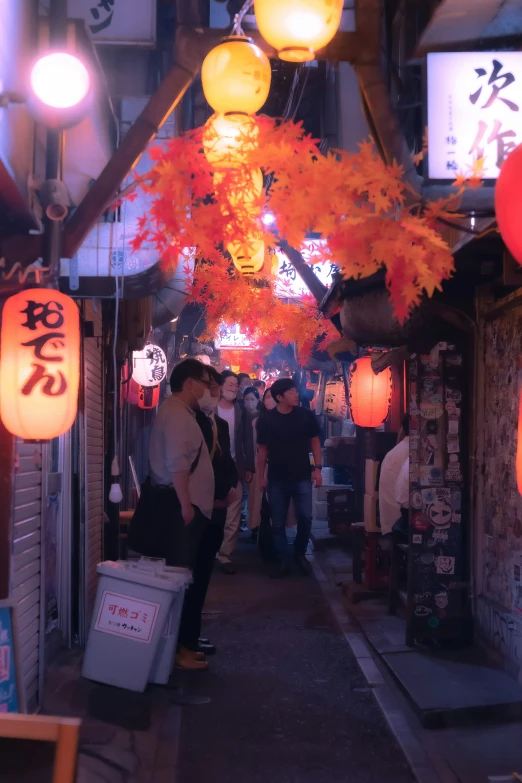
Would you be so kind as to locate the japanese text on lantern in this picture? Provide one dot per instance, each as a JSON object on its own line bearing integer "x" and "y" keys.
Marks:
{"x": 123, "y": 615}
{"x": 39, "y": 367}
{"x": 473, "y": 111}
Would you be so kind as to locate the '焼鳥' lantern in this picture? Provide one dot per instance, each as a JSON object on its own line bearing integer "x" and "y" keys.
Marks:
{"x": 227, "y": 140}
{"x": 236, "y": 76}
{"x": 508, "y": 203}
{"x": 369, "y": 393}
{"x": 298, "y": 28}
{"x": 149, "y": 367}
{"x": 248, "y": 257}
{"x": 39, "y": 364}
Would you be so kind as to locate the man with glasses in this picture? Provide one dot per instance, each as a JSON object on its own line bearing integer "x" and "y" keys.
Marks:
{"x": 177, "y": 498}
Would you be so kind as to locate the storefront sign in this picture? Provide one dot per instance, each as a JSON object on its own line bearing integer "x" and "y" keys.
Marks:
{"x": 117, "y": 21}
{"x": 123, "y": 615}
{"x": 232, "y": 337}
{"x": 289, "y": 284}
{"x": 474, "y": 102}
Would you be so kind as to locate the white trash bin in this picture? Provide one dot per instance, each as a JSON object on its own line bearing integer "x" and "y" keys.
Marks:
{"x": 132, "y": 607}
{"x": 164, "y": 661}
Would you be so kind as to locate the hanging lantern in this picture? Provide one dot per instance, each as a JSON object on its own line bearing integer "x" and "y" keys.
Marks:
{"x": 248, "y": 257}
{"x": 298, "y": 28}
{"x": 148, "y": 397}
{"x": 133, "y": 395}
{"x": 39, "y": 364}
{"x": 241, "y": 188}
{"x": 236, "y": 76}
{"x": 508, "y": 203}
{"x": 149, "y": 367}
{"x": 227, "y": 140}
{"x": 335, "y": 400}
{"x": 369, "y": 393}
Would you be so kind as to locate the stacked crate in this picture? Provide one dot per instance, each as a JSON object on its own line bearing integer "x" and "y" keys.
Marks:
{"x": 341, "y": 509}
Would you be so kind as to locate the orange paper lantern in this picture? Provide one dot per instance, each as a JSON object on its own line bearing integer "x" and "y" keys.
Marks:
{"x": 236, "y": 76}
{"x": 228, "y": 140}
{"x": 39, "y": 364}
{"x": 148, "y": 397}
{"x": 369, "y": 393}
{"x": 508, "y": 203}
{"x": 298, "y": 28}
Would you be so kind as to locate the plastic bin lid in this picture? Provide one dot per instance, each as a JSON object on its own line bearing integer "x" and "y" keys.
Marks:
{"x": 130, "y": 572}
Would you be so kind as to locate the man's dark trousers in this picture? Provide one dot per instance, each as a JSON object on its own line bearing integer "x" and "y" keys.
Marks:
{"x": 209, "y": 546}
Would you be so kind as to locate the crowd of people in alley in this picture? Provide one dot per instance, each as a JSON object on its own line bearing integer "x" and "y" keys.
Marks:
{"x": 225, "y": 448}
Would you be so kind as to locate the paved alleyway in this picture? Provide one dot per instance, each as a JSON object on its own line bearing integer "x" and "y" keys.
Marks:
{"x": 289, "y": 704}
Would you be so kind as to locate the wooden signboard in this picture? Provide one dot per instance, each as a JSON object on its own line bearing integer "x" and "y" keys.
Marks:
{"x": 437, "y": 566}
{"x": 21, "y": 760}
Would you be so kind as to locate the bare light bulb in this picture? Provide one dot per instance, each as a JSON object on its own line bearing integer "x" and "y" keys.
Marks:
{"x": 60, "y": 80}
{"x": 115, "y": 495}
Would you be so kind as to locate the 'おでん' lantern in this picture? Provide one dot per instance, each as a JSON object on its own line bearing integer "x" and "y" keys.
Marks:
{"x": 508, "y": 203}
{"x": 369, "y": 393}
{"x": 236, "y": 76}
{"x": 39, "y": 364}
{"x": 149, "y": 367}
{"x": 298, "y": 28}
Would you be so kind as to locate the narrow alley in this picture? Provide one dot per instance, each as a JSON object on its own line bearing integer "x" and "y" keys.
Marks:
{"x": 289, "y": 702}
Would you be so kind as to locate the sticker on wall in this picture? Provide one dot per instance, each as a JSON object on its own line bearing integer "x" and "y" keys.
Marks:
{"x": 423, "y": 611}
{"x": 440, "y": 510}
{"x": 453, "y": 457}
{"x": 434, "y": 622}
{"x": 416, "y": 499}
{"x": 441, "y": 600}
{"x": 452, "y": 410}
{"x": 453, "y": 446}
{"x": 445, "y": 565}
{"x": 428, "y": 411}
{"x": 453, "y": 427}
{"x": 454, "y": 472}
{"x": 420, "y": 521}
{"x": 455, "y": 499}
{"x": 416, "y": 538}
{"x": 455, "y": 395}
{"x": 456, "y": 518}
{"x": 430, "y": 476}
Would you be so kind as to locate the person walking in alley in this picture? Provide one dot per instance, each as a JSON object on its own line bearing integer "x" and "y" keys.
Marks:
{"x": 177, "y": 497}
{"x": 285, "y": 437}
{"x": 242, "y": 448}
{"x": 191, "y": 647}
{"x": 244, "y": 380}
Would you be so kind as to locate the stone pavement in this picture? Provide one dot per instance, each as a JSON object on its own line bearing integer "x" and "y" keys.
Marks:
{"x": 289, "y": 702}
{"x": 125, "y": 737}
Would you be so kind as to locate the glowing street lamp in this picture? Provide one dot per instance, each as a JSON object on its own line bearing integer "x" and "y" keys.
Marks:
{"x": 59, "y": 90}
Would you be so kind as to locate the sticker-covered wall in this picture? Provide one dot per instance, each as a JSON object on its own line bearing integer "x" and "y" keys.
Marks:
{"x": 499, "y": 610}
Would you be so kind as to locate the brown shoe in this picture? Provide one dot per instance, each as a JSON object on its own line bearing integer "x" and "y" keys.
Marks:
{"x": 189, "y": 660}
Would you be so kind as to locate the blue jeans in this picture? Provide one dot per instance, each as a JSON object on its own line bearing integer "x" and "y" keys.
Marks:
{"x": 280, "y": 493}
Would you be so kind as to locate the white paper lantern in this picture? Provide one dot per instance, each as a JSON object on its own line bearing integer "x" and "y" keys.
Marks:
{"x": 149, "y": 367}
{"x": 335, "y": 400}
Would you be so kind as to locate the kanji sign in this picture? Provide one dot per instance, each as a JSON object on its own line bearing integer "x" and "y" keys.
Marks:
{"x": 39, "y": 365}
{"x": 474, "y": 102}
{"x": 289, "y": 284}
{"x": 149, "y": 367}
{"x": 117, "y": 21}
{"x": 124, "y": 615}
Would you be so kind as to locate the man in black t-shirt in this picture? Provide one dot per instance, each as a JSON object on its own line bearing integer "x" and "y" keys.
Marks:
{"x": 285, "y": 437}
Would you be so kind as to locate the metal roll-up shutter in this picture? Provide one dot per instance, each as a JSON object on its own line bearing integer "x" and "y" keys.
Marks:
{"x": 93, "y": 451}
{"x": 26, "y": 571}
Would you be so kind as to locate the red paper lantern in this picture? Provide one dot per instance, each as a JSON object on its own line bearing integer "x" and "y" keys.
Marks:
{"x": 369, "y": 393}
{"x": 508, "y": 203}
{"x": 148, "y": 397}
{"x": 39, "y": 364}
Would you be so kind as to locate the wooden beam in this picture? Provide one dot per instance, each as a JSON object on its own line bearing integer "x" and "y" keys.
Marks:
{"x": 191, "y": 48}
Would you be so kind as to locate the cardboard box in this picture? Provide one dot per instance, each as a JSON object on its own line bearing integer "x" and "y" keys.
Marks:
{"x": 371, "y": 473}
{"x": 372, "y": 523}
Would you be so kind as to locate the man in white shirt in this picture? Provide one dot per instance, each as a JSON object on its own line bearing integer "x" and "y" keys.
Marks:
{"x": 392, "y": 464}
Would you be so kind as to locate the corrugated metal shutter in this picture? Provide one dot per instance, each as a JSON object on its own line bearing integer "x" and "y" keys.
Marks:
{"x": 93, "y": 452}
{"x": 26, "y": 563}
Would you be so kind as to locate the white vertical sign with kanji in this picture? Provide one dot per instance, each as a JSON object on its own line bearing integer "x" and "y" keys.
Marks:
{"x": 474, "y": 111}
{"x": 124, "y": 615}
